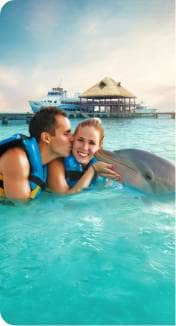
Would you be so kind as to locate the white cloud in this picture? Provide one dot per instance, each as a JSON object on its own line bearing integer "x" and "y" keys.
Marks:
{"x": 14, "y": 86}
{"x": 142, "y": 61}
{"x": 17, "y": 87}
{"x": 9, "y": 77}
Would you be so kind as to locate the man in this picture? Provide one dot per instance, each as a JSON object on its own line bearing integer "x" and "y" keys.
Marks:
{"x": 23, "y": 160}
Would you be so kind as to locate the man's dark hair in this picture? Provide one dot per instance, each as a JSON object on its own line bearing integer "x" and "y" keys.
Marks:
{"x": 44, "y": 120}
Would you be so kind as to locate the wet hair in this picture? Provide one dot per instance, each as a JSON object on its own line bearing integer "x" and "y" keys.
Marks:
{"x": 44, "y": 120}
{"x": 92, "y": 122}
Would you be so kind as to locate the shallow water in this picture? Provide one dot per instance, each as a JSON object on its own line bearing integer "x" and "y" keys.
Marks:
{"x": 104, "y": 256}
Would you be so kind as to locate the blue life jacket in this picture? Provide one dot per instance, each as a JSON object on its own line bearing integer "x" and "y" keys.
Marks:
{"x": 74, "y": 170}
{"x": 38, "y": 172}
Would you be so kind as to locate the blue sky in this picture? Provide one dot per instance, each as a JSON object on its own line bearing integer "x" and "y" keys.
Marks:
{"x": 75, "y": 43}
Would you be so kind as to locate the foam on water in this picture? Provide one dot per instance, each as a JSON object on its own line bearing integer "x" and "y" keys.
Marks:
{"x": 104, "y": 256}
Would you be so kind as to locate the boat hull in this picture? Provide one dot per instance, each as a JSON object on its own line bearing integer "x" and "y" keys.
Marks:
{"x": 36, "y": 106}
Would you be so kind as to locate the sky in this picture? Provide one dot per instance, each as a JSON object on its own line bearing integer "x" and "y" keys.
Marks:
{"x": 76, "y": 43}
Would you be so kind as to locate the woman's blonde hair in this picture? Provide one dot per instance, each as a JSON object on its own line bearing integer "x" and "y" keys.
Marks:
{"x": 92, "y": 122}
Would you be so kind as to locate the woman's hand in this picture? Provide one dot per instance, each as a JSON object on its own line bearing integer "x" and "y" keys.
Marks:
{"x": 106, "y": 170}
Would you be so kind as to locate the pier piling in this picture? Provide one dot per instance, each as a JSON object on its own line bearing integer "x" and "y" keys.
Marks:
{"x": 4, "y": 120}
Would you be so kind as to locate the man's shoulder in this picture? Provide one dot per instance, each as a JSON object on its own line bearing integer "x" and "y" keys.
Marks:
{"x": 16, "y": 152}
{"x": 15, "y": 157}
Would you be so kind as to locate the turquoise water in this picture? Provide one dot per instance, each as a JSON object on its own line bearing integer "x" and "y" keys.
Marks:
{"x": 104, "y": 256}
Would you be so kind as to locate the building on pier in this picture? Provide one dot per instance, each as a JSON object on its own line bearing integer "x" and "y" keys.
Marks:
{"x": 107, "y": 96}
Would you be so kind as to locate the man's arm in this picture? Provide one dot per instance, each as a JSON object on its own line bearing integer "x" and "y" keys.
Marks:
{"x": 15, "y": 169}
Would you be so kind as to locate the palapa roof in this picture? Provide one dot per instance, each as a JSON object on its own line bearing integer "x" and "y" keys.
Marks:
{"x": 107, "y": 87}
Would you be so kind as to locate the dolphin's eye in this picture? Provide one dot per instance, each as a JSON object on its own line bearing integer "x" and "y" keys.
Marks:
{"x": 148, "y": 176}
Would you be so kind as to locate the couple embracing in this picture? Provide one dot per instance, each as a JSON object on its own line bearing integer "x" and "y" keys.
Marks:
{"x": 52, "y": 157}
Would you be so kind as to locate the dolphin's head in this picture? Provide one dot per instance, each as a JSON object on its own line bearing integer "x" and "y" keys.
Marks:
{"x": 142, "y": 170}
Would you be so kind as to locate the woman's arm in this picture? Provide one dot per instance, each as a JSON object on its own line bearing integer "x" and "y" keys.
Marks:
{"x": 57, "y": 181}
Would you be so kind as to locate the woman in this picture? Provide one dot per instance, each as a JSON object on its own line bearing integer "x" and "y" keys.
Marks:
{"x": 80, "y": 169}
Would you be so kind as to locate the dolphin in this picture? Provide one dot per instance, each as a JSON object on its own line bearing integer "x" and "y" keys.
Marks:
{"x": 142, "y": 170}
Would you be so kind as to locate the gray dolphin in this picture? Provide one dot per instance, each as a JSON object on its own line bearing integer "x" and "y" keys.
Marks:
{"x": 141, "y": 169}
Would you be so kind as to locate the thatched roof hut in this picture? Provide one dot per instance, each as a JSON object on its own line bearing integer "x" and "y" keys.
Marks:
{"x": 107, "y": 88}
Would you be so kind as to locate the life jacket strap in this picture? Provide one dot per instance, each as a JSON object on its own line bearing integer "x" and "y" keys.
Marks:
{"x": 34, "y": 192}
{"x": 38, "y": 181}
{"x": 73, "y": 175}
{"x": 2, "y": 193}
{"x": 1, "y": 184}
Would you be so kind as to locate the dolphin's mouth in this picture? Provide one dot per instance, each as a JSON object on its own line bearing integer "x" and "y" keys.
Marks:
{"x": 104, "y": 156}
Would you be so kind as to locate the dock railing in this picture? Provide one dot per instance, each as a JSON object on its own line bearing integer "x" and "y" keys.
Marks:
{"x": 6, "y": 117}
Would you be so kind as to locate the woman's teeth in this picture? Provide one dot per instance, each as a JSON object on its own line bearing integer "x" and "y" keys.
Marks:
{"x": 82, "y": 154}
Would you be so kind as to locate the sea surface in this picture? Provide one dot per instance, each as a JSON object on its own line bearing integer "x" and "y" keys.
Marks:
{"x": 101, "y": 257}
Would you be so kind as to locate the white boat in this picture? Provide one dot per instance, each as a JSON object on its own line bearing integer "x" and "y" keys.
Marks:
{"x": 56, "y": 97}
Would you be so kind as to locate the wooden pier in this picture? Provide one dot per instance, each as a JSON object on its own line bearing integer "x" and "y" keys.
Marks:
{"x": 26, "y": 117}
{"x": 171, "y": 114}
{"x": 154, "y": 114}
{"x": 128, "y": 115}
{"x": 6, "y": 117}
